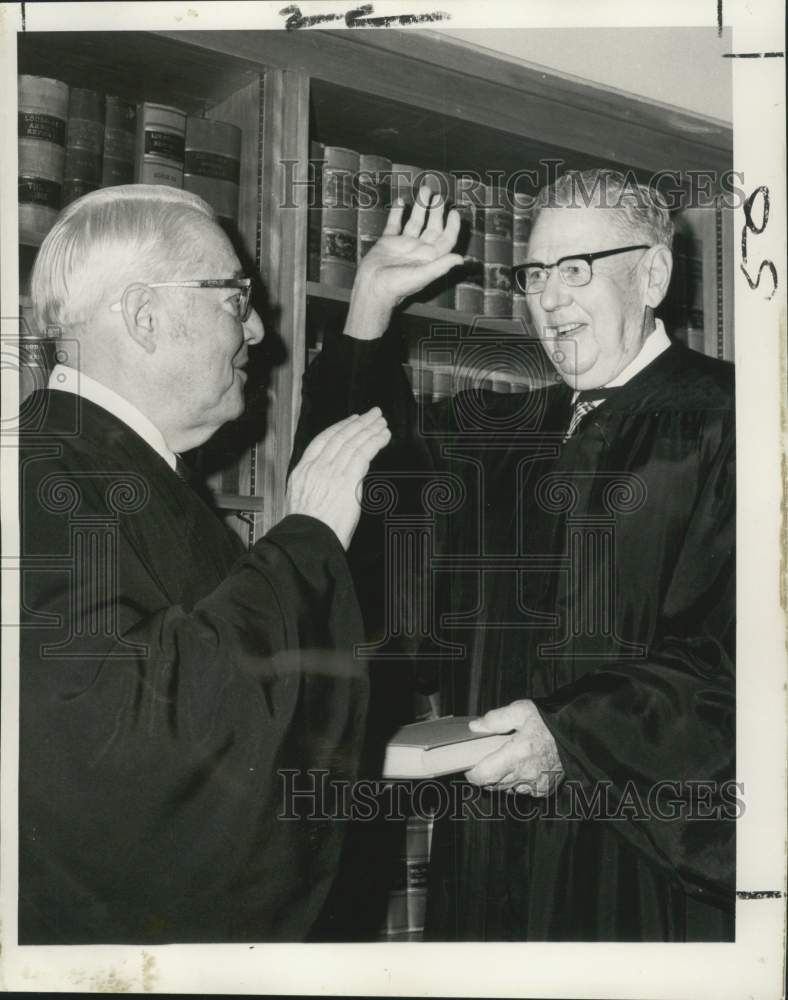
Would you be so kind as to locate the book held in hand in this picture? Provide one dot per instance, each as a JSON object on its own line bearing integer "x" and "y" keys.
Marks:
{"x": 439, "y": 746}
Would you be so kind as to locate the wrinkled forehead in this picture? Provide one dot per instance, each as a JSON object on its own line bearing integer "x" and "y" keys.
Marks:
{"x": 572, "y": 229}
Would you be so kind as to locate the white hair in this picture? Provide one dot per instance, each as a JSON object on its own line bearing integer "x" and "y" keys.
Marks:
{"x": 107, "y": 239}
{"x": 639, "y": 211}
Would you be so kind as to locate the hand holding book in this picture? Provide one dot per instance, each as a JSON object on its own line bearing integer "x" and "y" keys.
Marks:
{"x": 528, "y": 761}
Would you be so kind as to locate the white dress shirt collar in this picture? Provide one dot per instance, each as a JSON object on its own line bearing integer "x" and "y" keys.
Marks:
{"x": 66, "y": 379}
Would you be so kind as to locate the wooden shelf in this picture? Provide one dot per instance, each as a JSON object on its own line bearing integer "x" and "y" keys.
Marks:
{"x": 237, "y": 502}
{"x": 137, "y": 66}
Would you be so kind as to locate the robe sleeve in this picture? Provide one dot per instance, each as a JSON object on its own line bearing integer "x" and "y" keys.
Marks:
{"x": 156, "y": 739}
{"x": 657, "y": 736}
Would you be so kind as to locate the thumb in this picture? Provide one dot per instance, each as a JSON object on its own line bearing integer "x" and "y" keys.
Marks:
{"x": 500, "y": 720}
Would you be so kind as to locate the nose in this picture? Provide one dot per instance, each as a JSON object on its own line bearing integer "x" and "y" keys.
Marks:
{"x": 555, "y": 293}
{"x": 254, "y": 331}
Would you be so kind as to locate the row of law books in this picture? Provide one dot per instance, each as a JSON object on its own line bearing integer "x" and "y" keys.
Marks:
{"x": 73, "y": 140}
{"x": 433, "y": 382}
{"x": 349, "y": 199}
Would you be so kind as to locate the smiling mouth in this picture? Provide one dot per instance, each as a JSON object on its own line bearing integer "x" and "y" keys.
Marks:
{"x": 563, "y": 330}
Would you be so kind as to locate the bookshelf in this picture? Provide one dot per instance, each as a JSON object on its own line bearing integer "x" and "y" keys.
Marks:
{"x": 415, "y": 98}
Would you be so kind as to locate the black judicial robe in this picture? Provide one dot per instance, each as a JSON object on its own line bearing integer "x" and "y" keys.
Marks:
{"x": 168, "y": 684}
{"x": 616, "y": 617}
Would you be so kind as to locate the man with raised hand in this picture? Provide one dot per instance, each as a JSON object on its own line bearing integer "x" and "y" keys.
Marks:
{"x": 601, "y": 634}
{"x": 170, "y": 683}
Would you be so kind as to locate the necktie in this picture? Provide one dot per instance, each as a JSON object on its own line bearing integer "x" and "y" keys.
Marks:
{"x": 581, "y": 408}
{"x": 182, "y": 469}
{"x": 587, "y": 400}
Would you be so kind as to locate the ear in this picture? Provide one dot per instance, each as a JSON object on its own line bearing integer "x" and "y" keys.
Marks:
{"x": 140, "y": 316}
{"x": 659, "y": 263}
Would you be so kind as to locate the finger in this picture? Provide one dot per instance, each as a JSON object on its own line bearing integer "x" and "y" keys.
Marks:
{"x": 494, "y": 767}
{"x": 353, "y": 461}
{"x": 394, "y": 219}
{"x": 434, "y": 228}
{"x": 319, "y": 441}
{"x": 500, "y": 720}
{"x": 327, "y": 443}
{"x": 337, "y": 452}
{"x": 451, "y": 231}
{"x": 415, "y": 223}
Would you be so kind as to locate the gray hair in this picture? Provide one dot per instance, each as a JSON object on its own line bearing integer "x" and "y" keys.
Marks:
{"x": 639, "y": 212}
{"x": 116, "y": 234}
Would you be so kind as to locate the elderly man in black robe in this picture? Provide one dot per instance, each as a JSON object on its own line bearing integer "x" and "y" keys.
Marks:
{"x": 170, "y": 684}
{"x": 590, "y": 584}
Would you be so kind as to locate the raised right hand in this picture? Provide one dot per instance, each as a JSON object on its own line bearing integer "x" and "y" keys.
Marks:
{"x": 403, "y": 261}
{"x": 325, "y": 483}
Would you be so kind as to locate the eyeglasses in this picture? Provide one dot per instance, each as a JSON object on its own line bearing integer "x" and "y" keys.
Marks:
{"x": 244, "y": 286}
{"x": 574, "y": 270}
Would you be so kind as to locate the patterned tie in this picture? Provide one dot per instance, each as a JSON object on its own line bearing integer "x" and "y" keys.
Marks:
{"x": 587, "y": 400}
{"x": 183, "y": 469}
{"x": 581, "y": 408}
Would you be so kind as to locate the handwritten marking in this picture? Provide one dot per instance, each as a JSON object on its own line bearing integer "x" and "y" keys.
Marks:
{"x": 358, "y": 17}
{"x": 753, "y": 55}
{"x": 759, "y": 894}
{"x": 751, "y": 227}
{"x": 297, "y": 20}
{"x": 719, "y": 18}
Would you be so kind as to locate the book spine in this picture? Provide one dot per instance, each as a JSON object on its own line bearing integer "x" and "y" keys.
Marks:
{"x": 497, "y": 254}
{"x": 374, "y": 200}
{"x": 422, "y": 383}
{"x": 161, "y": 139}
{"x": 407, "y": 904}
{"x": 339, "y": 217}
{"x": 469, "y": 289}
{"x": 41, "y": 124}
{"x": 404, "y": 181}
{"x": 212, "y": 164}
{"x": 84, "y": 143}
{"x": 442, "y": 383}
{"x": 120, "y": 128}
{"x": 35, "y": 352}
{"x": 521, "y": 233}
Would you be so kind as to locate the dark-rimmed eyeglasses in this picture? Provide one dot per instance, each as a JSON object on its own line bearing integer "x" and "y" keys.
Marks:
{"x": 574, "y": 270}
{"x": 244, "y": 286}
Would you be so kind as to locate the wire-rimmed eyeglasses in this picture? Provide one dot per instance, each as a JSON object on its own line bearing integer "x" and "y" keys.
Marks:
{"x": 574, "y": 269}
{"x": 244, "y": 286}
